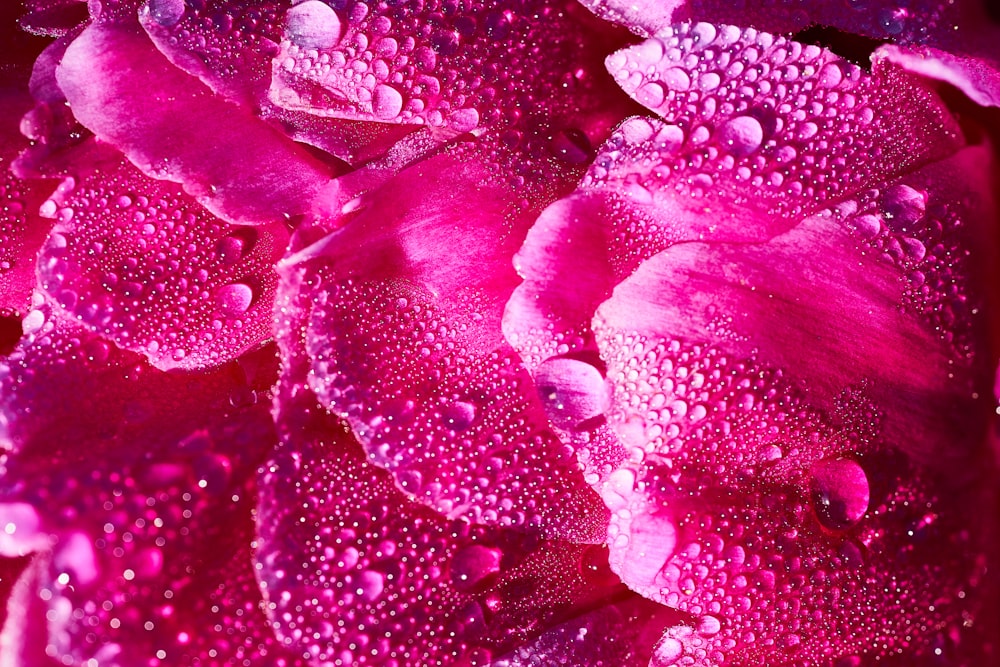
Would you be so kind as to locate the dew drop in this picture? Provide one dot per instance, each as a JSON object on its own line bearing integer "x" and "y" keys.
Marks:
{"x": 840, "y": 492}
{"x": 651, "y": 94}
{"x": 313, "y": 25}
{"x": 709, "y": 626}
{"x": 676, "y": 79}
{"x": 572, "y": 391}
{"x": 902, "y": 206}
{"x": 234, "y": 299}
{"x": 741, "y": 135}
{"x": 667, "y": 652}
{"x": 166, "y": 12}
{"x": 459, "y": 415}
{"x": 386, "y": 102}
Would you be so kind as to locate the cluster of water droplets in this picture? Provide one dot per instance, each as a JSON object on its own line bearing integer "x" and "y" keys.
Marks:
{"x": 142, "y": 263}
{"x": 788, "y": 534}
{"x": 762, "y": 117}
{"x": 166, "y": 458}
{"x": 459, "y": 427}
{"x": 924, "y": 234}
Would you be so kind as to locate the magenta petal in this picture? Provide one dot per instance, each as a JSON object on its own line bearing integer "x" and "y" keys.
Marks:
{"x": 403, "y": 307}
{"x": 812, "y": 422}
{"x": 756, "y": 132}
{"x": 143, "y": 482}
{"x": 140, "y": 262}
{"x": 977, "y": 77}
{"x": 355, "y": 571}
{"x": 234, "y": 164}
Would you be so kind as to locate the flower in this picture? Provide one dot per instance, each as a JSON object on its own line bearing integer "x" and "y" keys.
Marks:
{"x": 492, "y": 333}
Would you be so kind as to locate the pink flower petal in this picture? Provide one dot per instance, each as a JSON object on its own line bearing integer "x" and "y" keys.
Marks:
{"x": 810, "y": 414}
{"x": 474, "y": 69}
{"x": 356, "y": 571}
{"x": 229, "y": 47}
{"x": 143, "y": 482}
{"x": 183, "y": 133}
{"x": 757, "y": 132}
{"x": 975, "y": 75}
{"x": 140, "y": 262}
{"x": 945, "y": 40}
{"x": 403, "y": 307}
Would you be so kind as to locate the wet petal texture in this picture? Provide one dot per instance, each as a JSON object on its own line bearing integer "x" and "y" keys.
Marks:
{"x": 140, "y": 483}
{"x": 403, "y": 307}
{"x": 21, "y": 229}
{"x": 140, "y": 262}
{"x": 944, "y": 39}
{"x": 233, "y": 163}
{"x": 524, "y": 77}
{"x": 229, "y": 47}
{"x": 755, "y": 133}
{"x": 356, "y": 572}
{"x": 806, "y": 436}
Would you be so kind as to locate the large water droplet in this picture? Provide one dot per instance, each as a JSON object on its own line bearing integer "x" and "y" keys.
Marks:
{"x": 741, "y": 135}
{"x": 386, "y": 102}
{"x": 313, "y": 25}
{"x": 667, "y": 652}
{"x": 166, "y": 12}
{"x": 572, "y": 391}
{"x": 902, "y": 206}
{"x": 234, "y": 299}
{"x": 840, "y": 492}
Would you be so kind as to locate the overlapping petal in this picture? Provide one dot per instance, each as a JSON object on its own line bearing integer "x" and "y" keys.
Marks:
{"x": 949, "y": 40}
{"x": 797, "y": 388}
{"x": 233, "y": 163}
{"x": 403, "y": 306}
{"x": 757, "y": 132}
{"x": 356, "y": 571}
{"x": 139, "y": 261}
{"x": 137, "y": 484}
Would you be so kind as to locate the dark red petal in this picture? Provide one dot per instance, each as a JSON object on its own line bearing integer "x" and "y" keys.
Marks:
{"x": 139, "y": 261}
{"x": 403, "y": 307}
{"x": 233, "y": 163}
{"x": 142, "y": 482}
{"x": 809, "y": 422}
{"x": 757, "y": 132}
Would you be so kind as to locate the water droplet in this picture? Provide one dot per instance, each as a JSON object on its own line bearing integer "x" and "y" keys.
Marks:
{"x": 234, "y": 298}
{"x": 708, "y": 626}
{"x": 676, "y": 79}
{"x": 386, "y": 102}
{"x": 840, "y": 492}
{"x": 473, "y": 564}
{"x": 572, "y": 391}
{"x": 902, "y": 206}
{"x": 741, "y": 135}
{"x": 459, "y": 415}
{"x": 830, "y": 75}
{"x": 667, "y": 652}
{"x": 313, "y": 25}
{"x": 370, "y": 585}
{"x": 166, "y": 12}
{"x": 651, "y": 94}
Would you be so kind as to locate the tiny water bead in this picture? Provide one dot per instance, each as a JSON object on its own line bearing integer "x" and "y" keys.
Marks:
{"x": 572, "y": 391}
{"x": 141, "y": 262}
{"x": 313, "y": 25}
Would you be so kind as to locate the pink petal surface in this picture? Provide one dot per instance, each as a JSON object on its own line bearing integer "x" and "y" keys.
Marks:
{"x": 755, "y": 132}
{"x": 944, "y": 39}
{"x": 141, "y": 486}
{"x": 21, "y": 229}
{"x": 355, "y": 571}
{"x": 525, "y": 78}
{"x": 806, "y": 421}
{"x": 406, "y": 346}
{"x": 143, "y": 264}
{"x": 233, "y": 163}
{"x": 229, "y": 47}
